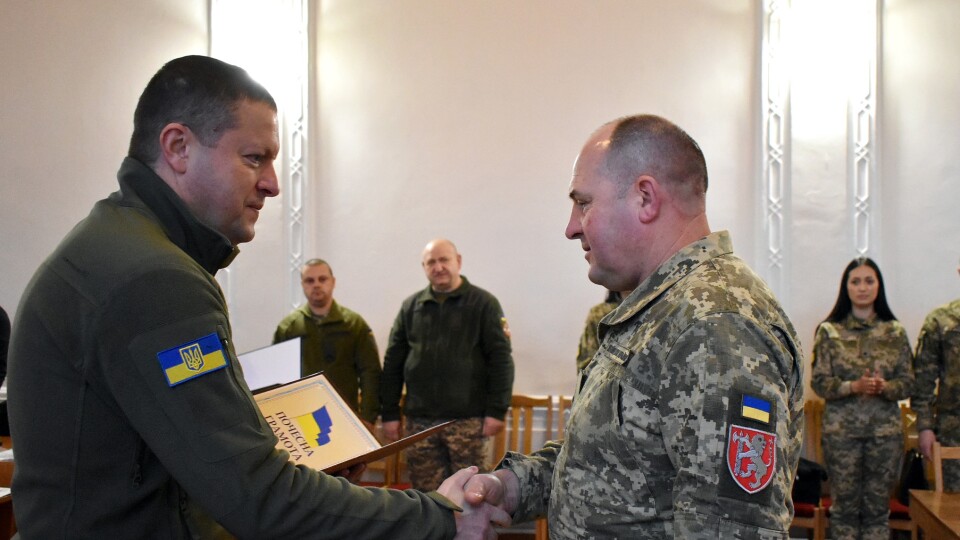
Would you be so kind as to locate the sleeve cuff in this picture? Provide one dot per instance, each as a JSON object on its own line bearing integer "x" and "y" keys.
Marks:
{"x": 523, "y": 468}
{"x": 443, "y": 501}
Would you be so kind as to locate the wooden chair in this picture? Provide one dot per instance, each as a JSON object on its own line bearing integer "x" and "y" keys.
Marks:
{"x": 518, "y": 437}
{"x": 908, "y": 425}
{"x": 899, "y": 516}
{"x": 392, "y": 469}
{"x": 941, "y": 453}
{"x": 812, "y": 517}
{"x": 387, "y": 468}
{"x": 564, "y": 404}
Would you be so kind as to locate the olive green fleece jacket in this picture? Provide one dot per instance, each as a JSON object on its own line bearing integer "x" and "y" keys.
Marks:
{"x": 453, "y": 356}
{"x": 341, "y": 345}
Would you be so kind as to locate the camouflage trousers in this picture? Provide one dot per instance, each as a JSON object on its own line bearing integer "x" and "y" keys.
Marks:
{"x": 432, "y": 460}
{"x": 862, "y": 475}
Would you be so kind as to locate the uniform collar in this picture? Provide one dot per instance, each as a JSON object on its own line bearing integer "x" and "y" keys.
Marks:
{"x": 335, "y": 314}
{"x": 669, "y": 272}
{"x": 139, "y": 184}
{"x": 853, "y": 323}
{"x": 427, "y": 295}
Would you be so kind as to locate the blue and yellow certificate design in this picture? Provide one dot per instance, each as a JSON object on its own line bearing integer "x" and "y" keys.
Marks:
{"x": 190, "y": 360}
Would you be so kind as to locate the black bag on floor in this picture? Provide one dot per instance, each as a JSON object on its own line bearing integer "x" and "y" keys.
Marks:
{"x": 807, "y": 486}
{"x": 912, "y": 475}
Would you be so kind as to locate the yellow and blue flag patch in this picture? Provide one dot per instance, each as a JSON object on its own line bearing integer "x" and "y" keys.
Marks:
{"x": 755, "y": 408}
{"x": 199, "y": 357}
{"x": 316, "y": 426}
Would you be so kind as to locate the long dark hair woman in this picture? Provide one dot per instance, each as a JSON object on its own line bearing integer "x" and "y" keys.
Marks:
{"x": 861, "y": 367}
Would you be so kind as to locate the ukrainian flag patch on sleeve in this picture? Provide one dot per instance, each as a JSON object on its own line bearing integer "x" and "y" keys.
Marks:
{"x": 190, "y": 360}
{"x": 755, "y": 408}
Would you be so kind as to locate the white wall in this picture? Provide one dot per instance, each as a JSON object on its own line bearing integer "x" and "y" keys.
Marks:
{"x": 916, "y": 191}
{"x": 921, "y": 157}
{"x": 463, "y": 119}
{"x": 72, "y": 73}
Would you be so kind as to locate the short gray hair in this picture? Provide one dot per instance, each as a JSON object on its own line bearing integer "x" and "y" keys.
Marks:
{"x": 649, "y": 144}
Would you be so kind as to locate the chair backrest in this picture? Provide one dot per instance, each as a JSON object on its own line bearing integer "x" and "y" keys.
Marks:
{"x": 518, "y": 435}
{"x": 941, "y": 453}
{"x": 808, "y": 515}
{"x": 908, "y": 424}
{"x": 563, "y": 412}
{"x": 813, "y": 428}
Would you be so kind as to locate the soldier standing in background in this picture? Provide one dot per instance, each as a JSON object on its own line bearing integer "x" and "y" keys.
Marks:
{"x": 450, "y": 347}
{"x": 938, "y": 411}
{"x": 861, "y": 367}
{"x": 336, "y": 341}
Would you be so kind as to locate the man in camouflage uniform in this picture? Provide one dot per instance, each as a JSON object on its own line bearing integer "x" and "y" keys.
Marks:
{"x": 938, "y": 412}
{"x": 589, "y": 341}
{"x": 687, "y": 423}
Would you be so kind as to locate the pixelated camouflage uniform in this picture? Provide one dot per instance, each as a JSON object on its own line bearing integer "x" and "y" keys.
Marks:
{"x": 862, "y": 437}
{"x": 938, "y": 358}
{"x": 589, "y": 343}
{"x": 645, "y": 454}
{"x": 460, "y": 437}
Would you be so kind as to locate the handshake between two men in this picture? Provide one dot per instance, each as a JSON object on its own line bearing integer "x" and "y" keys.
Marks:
{"x": 487, "y": 500}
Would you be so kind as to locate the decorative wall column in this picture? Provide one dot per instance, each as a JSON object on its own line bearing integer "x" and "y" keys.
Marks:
{"x": 271, "y": 39}
{"x": 862, "y": 142}
{"x": 296, "y": 136}
{"x": 775, "y": 135}
{"x": 819, "y": 59}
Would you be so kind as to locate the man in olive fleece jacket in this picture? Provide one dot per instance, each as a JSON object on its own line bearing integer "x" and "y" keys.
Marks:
{"x": 336, "y": 341}
{"x": 450, "y": 345}
{"x": 127, "y": 403}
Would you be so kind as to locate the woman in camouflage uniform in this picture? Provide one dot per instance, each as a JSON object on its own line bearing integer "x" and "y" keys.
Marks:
{"x": 861, "y": 367}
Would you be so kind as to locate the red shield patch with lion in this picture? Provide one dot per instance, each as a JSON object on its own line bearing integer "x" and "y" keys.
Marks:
{"x": 751, "y": 457}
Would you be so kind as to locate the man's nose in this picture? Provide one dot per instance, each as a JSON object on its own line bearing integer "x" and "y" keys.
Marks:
{"x": 269, "y": 183}
{"x": 574, "y": 230}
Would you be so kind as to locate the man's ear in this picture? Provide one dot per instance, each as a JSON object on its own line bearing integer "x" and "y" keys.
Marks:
{"x": 649, "y": 195}
{"x": 175, "y": 142}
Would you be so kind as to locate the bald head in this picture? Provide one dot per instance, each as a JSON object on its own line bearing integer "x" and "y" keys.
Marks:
{"x": 441, "y": 264}
{"x": 439, "y": 243}
{"x": 651, "y": 145}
